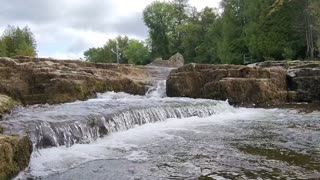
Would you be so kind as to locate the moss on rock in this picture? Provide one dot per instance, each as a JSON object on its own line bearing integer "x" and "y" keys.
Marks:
{"x": 15, "y": 152}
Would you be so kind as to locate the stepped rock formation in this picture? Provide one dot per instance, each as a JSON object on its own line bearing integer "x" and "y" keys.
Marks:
{"x": 15, "y": 152}
{"x": 241, "y": 85}
{"x": 40, "y": 80}
{"x": 303, "y": 79}
{"x": 175, "y": 61}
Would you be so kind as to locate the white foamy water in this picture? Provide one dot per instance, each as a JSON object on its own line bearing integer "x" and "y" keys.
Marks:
{"x": 153, "y": 145}
{"x": 121, "y": 136}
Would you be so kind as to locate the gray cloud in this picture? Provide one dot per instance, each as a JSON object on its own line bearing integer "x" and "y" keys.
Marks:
{"x": 84, "y": 14}
{"x": 133, "y": 25}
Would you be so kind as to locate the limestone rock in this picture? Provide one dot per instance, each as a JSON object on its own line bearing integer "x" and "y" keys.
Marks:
{"x": 43, "y": 80}
{"x": 241, "y": 85}
{"x": 15, "y": 152}
{"x": 175, "y": 61}
{"x": 6, "y": 104}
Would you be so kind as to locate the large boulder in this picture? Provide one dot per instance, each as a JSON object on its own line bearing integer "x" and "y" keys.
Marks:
{"x": 15, "y": 152}
{"x": 241, "y": 85}
{"x": 40, "y": 80}
{"x": 175, "y": 61}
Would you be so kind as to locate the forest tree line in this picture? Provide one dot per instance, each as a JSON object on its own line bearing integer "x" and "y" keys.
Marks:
{"x": 261, "y": 30}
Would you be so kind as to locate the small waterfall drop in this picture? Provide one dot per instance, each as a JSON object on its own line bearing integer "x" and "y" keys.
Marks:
{"x": 85, "y": 121}
{"x": 158, "y": 90}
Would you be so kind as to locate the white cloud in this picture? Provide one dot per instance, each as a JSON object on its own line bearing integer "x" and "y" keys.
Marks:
{"x": 64, "y": 29}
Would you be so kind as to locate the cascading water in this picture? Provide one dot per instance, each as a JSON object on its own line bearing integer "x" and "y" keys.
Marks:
{"x": 85, "y": 121}
{"x": 121, "y": 136}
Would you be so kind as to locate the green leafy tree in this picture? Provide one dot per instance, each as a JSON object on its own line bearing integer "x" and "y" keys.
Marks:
{"x": 98, "y": 55}
{"x": 2, "y": 49}
{"x": 197, "y": 37}
{"x": 137, "y": 52}
{"x": 18, "y": 41}
{"x": 232, "y": 45}
{"x": 111, "y": 46}
{"x": 159, "y": 18}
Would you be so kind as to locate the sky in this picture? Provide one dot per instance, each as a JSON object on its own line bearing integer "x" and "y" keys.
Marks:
{"x": 64, "y": 29}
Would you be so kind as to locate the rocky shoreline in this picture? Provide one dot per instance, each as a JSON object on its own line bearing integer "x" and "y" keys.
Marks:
{"x": 257, "y": 85}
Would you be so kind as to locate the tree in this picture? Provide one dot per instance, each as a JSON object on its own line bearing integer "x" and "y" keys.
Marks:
{"x": 197, "y": 37}
{"x": 98, "y": 55}
{"x": 158, "y": 17}
{"x": 130, "y": 51}
{"x": 111, "y": 46}
{"x": 18, "y": 41}
{"x": 137, "y": 52}
{"x": 232, "y": 45}
{"x": 2, "y": 49}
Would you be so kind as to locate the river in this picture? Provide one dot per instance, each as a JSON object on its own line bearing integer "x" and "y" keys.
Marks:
{"x": 122, "y": 136}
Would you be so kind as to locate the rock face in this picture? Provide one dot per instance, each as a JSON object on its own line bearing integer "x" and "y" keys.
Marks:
{"x": 303, "y": 79}
{"x": 304, "y": 83}
{"x": 241, "y": 85}
{"x": 39, "y": 80}
{"x": 175, "y": 61}
{"x": 15, "y": 152}
{"x": 6, "y": 104}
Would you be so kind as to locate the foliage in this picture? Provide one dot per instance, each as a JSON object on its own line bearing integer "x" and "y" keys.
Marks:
{"x": 258, "y": 29}
{"x": 130, "y": 51}
{"x": 137, "y": 52}
{"x": 16, "y": 41}
{"x": 159, "y": 17}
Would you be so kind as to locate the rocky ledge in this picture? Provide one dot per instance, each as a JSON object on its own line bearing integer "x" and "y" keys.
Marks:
{"x": 241, "y": 85}
{"x": 303, "y": 79}
{"x": 41, "y": 80}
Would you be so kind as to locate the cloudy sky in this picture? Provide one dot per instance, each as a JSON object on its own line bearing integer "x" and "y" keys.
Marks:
{"x": 65, "y": 28}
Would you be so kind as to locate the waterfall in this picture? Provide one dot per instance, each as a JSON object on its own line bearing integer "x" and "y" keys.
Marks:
{"x": 85, "y": 121}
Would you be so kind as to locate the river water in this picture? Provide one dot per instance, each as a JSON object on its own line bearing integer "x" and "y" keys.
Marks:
{"x": 121, "y": 136}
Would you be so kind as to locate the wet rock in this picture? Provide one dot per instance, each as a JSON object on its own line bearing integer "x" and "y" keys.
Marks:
{"x": 41, "y": 80}
{"x": 176, "y": 61}
{"x": 15, "y": 152}
{"x": 241, "y": 85}
{"x": 6, "y": 104}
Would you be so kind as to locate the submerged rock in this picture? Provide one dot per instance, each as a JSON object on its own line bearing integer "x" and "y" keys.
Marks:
{"x": 15, "y": 152}
{"x": 40, "y": 80}
{"x": 241, "y": 85}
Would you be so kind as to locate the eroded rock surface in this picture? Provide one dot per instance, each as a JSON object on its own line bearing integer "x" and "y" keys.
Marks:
{"x": 303, "y": 79}
{"x": 6, "y": 104}
{"x": 40, "y": 80}
{"x": 241, "y": 85}
{"x": 15, "y": 152}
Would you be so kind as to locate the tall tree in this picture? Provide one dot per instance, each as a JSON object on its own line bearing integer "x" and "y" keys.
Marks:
{"x": 159, "y": 18}
{"x": 232, "y": 45}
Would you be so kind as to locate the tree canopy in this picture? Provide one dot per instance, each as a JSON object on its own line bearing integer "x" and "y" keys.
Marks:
{"x": 260, "y": 30}
{"x": 130, "y": 51}
{"x": 16, "y": 41}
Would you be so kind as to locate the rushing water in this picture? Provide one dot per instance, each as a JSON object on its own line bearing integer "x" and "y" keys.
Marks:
{"x": 121, "y": 136}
